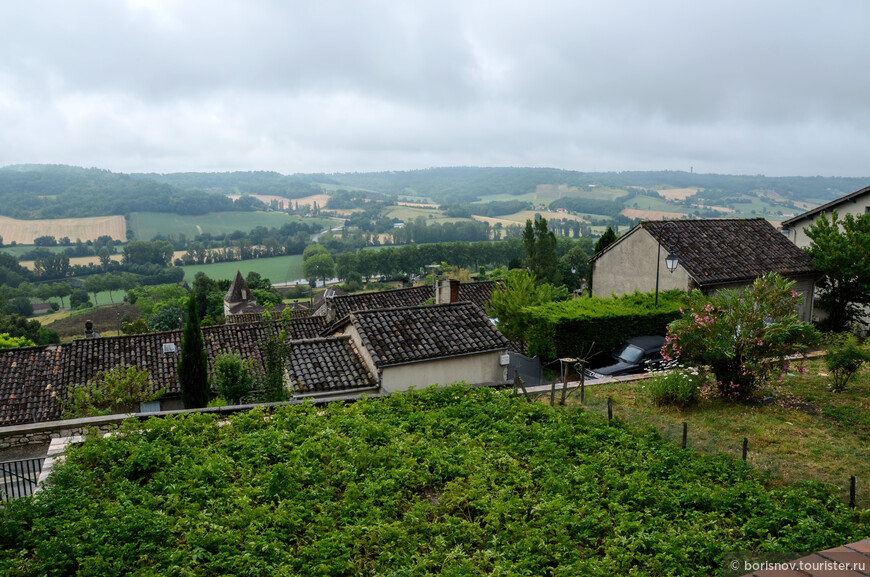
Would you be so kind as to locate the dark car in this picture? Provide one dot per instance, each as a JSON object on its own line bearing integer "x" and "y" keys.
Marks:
{"x": 633, "y": 356}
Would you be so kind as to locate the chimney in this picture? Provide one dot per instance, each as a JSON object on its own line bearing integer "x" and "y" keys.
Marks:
{"x": 446, "y": 291}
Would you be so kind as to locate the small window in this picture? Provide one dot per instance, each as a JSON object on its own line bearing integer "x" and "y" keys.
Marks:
{"x": 168, "y": 348}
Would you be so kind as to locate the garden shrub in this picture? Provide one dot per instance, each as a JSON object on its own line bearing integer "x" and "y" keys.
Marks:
{"x": 680, "y": 387}
{"x": 571, "y": 328}
{"x": 844, "y": 358}
{"x": 232, "y": 378}
{"x": 743, "y": 336}
{"x": 452, "y": 481}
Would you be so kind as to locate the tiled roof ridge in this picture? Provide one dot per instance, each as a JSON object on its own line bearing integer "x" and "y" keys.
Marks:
{"x": 409, "y": 307}
{"x": 315, "y": 340}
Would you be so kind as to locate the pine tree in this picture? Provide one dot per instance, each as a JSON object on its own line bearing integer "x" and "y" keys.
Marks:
{"x": 193, "y": 365}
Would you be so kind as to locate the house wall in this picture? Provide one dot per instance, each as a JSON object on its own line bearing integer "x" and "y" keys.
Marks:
{"x": 630, "y": 265}
{"x": 797, "y": 232}
{"x": 481, "y": 368}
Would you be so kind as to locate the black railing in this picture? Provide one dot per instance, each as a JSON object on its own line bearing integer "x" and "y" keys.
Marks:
{"x": 18, "y": 478}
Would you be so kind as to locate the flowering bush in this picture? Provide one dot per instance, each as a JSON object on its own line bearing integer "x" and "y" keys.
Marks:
{"x": 679, "y": 387}
{"x": 743, "y": 336}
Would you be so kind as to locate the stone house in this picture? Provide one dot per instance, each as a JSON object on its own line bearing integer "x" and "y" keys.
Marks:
{"x": 426, "y": 345}
{"x": 713, "y": 254}
{"x": 856, "y": 203}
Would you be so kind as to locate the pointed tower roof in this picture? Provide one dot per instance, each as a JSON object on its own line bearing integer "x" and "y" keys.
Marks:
{"x": 239, "y": 291}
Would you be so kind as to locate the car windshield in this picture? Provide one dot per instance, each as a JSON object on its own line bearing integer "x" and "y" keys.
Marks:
{"x": 630, "y": 354}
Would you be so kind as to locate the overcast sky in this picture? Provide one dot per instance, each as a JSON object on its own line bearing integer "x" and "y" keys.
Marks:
{"x": 733, "y": 87}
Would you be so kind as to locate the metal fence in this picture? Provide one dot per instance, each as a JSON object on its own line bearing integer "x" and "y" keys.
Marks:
{"x": 18, "y": 478}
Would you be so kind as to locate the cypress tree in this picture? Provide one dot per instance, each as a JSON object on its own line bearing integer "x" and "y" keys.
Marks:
{"x": 193, "y": 364}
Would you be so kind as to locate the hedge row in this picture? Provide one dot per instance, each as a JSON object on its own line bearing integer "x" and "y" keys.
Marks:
{"x": 571, "y": 328}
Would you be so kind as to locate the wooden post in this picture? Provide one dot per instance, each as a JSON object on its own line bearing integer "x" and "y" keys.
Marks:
{"x": 553, "y": 394}
{"x": 518, "y": 382}
{"x": 852, "y": 492}
{"x": 609, "y": 409}
{"x": 564, "y": 385}
{"x": 685, "y": 433}
{"x": 745, "y": 446}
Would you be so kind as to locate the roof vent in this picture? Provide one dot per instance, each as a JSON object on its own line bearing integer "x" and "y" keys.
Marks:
{"x": 168, "y": 348}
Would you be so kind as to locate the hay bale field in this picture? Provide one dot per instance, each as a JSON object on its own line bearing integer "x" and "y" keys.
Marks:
{"x": 90, "y": 228}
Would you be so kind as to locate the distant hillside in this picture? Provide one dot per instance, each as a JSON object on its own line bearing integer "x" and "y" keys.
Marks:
{"x": 467, "y": 184}
{"x": 258, "y": 182}
{"x": 52, "y": 191}
{"x": 55, "y": 191}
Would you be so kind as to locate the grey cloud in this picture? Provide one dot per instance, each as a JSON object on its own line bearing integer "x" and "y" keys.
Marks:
{"x": 774, "y": 87}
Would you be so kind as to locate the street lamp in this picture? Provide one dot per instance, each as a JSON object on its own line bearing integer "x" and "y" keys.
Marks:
{"x": 672, "y": 260}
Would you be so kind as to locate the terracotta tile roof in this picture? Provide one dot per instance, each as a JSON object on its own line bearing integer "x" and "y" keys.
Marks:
{"x": 25, "y": 373}
{"x": 402, "y": 335}
{"x": 718, "y": 251}
{"x": 477, "y": 292}
{"x": 326, "y": 365}
{"x": 307, "y": 327}
{"x": 84, "y": 358}
{"x": 31, "y": 380}
{"x": 406, "y": 297}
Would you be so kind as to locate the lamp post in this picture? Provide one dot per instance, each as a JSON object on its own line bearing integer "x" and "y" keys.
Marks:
{"x": 671, "y": 261}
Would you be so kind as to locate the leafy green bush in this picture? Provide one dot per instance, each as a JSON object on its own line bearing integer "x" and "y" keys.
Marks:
{"x": 571, "y": 328}
{"x": 119, "y": 389}
{"x": 232, "y": 378}
{"x": 679, "y": 387}
{"x": 456, "y": 481}
{"x": 744, "y": 336}
{"x": 844, "y": 358}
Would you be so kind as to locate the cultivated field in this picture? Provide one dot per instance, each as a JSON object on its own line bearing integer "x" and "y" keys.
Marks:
{"x": 678, "y": 193}
{"x": 76, "y": 260}
{"x": 146, "y": 225}
{"x": 320, "y": 199}
{"x": 417, "y": 204}
{"x": 277, "y": 269}
{"x": 90, "y": 228}
{"x": 651, "y": 214}
{"x": 524, "y": 215}
{"x": 267, "y": 198}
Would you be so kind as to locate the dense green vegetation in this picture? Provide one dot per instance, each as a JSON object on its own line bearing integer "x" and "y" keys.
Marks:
{"x": 455, "y": 481}
{"x": 255, "y": 182}
{"x": 578, "y": 327}
{"x": 42, "y": 191}
{"x": 147, "y": 225}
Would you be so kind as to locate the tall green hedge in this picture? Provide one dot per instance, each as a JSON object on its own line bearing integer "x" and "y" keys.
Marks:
{"x": 571, "y": 328}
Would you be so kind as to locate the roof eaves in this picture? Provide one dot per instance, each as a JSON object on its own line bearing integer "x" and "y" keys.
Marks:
{"x": 851, "y": 197}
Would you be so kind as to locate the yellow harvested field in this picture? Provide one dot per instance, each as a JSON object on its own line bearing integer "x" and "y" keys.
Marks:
{"x": 80, "y": 260}
{"x": 417, "y": 204}
{"x": 266, "y": 198}
{"x": 90, "y": 228}
{"x": 524, "y": 215}
{"x": 320, "y": 199}
{"x": 651, "y": 214}
{"x": 492, "y": 220}
{"x": 678, "y": 193}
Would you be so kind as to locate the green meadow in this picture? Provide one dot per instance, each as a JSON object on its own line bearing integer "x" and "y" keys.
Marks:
{"x": 277, "y": 269}
{"x": 146, "y": 225}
